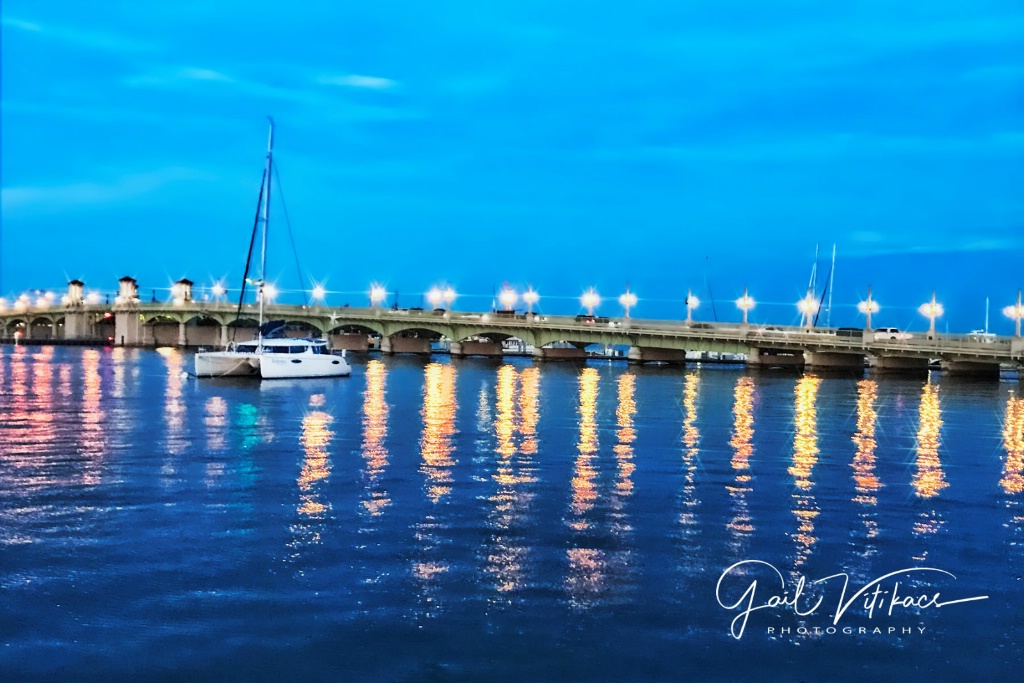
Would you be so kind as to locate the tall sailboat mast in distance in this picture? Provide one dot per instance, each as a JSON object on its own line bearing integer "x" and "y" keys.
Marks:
{"x": 266, "y": 220}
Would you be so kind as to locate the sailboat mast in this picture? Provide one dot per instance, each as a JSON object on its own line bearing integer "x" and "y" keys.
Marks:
{"x": 266, "y": 220}
{"x": 832, "y": 288}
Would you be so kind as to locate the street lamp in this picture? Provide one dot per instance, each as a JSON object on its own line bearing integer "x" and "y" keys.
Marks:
{"x": 808, "y": 306}
{"x": 319, "y": 293}
{"x": 508, "y": 298}
{"x": 435, "y": 296}
{"x": 692, "y": 302}
{"x": 931, "y": 310}
{"x": 531, "y": 298}
{"x": 590, "y": 301}
{"x": 628, "y": 300}
{"x": 377, "y": 295}
{"x": 218, "y": 290}
{"x": 449, "y": 297}
{"x": 1016, "y": 312}
{"x": 269, "y": 292}
{"x": 745, "y": 303}
{"x": 867, "y": 308}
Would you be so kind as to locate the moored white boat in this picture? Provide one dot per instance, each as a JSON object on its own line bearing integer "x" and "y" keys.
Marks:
{"x": 238, "y": 360}
{"x": 286, "y": 358}
{"x": 270, "y": 356}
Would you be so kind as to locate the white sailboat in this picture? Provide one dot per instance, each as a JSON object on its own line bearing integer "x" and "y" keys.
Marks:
{"x": 270, "y": 356}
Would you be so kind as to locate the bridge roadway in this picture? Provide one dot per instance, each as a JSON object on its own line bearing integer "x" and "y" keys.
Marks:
{"x": 195, "y": 323}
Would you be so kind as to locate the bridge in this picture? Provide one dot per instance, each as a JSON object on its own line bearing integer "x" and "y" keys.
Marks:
{"x": 185, "y": 322}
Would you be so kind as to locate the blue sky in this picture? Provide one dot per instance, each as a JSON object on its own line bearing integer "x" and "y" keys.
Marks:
{"x": 672, "y": 145}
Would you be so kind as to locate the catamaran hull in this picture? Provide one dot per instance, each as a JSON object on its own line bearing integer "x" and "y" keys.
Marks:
{"x": 226, "y": 364}
{"x": 290, "y": 366}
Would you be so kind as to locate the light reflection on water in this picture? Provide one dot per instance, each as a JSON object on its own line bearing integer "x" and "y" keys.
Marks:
{"x": 866, "y": 481}
{"x": 563, "y": 500}
{"x": 438, "y": 414}
{"x": 805, "y": 457}
{"x": 929, "y": 478}
{"x": 375, "y": 431}
{"x": 691, "y": 441}
{"x": 741, "y": 525}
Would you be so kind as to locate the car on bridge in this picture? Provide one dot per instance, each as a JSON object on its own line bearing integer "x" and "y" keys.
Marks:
{"x": 891, "y": 333}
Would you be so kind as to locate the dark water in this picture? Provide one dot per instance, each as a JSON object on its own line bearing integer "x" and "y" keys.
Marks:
{"x": 473, "y": 520}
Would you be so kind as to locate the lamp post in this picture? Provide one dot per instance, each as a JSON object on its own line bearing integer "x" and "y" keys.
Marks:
{"x": 318, "y": 294}
{"x": 268, "y": 292}
{"x": 808, "y": 306}
{"x": 1016, "y": 312}
{"x": 867, "y": 308}
{"x": 435, "y": 296}
{"x": 377, "y": 295}
{"x": 628, "y": 300}
{"x": 449, "y": 297}
{"x": 745, "y": 303}
{"x": 218, "y": 291}
{"x": 692, "y": 302}
{"x": 508, "y": 298}
{"x": 531, "y": 298}
{"x": 931, "y": 310}
{"x": 590, "y": 301}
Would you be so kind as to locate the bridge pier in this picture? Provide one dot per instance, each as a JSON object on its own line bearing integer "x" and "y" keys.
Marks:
{"x": 559, "y": 354}
{"x": 385, "y": 345}
{"x": 639, "y": 354}
{"x": 224, "y": 335}
{"x": 827, "y": 360}
{"x": 182, "y": 340}
{"x": 350, "y": 342}
{"x": 477, "y": 348}
{"x": 897, "y": 364}
{"x": 408, "y": 345}
{"x": 770, "y": 358}
{"x": 969, "y": 368}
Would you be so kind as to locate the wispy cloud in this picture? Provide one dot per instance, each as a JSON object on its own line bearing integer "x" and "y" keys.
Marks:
{"x": 175, "y": 77}
{"x": 83, "y": 194}
{"x": 94, "y": 40}
{"x": 358, "y": 81}
{"x": 20, "y": 24}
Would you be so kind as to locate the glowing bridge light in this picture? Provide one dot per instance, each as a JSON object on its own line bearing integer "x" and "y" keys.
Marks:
{"x": 435, "y": 296}
{"x": 590, "y": 300}
{"x": 92, "y": 298}
{"x": 449, "y": 296}
{"x": 218, "y": 290}
{"x": 1016, "y": 313}
{"x": 530, "y": 297}
{"x": 868, "y": 307}
{"x": 692, "y": 302}
{"x": 508, "y": 298}
{"x": 808, "y": 306}
{"x": 745, "y": 303}
{"x": 377, "y": 294}
{"x": 931, "y": 310}
{"x": 628, "y": 300}
{"x": 269, "y": 292}
{"x": 319, "y": 293}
